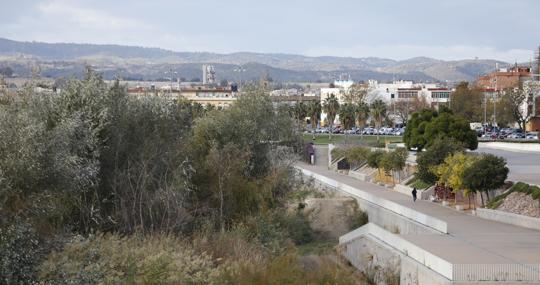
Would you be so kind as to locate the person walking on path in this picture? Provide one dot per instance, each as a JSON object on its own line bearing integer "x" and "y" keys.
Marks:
{"x": 414, "y": 194}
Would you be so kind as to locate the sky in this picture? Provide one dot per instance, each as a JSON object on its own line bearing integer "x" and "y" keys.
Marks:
{"x": 507, "y": 30}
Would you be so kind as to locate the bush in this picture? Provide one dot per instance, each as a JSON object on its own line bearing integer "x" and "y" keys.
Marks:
{"x": 20, "y": 253}
{"x": 359, "y": 220}
{"x": 419, "y": 184}
{"x": 275, "y": 230}
{"x": 112, "y": 259}
{"x": 374, "y": 158}
{"x": 434, "y": 156}
{"x": 427, "y": 126}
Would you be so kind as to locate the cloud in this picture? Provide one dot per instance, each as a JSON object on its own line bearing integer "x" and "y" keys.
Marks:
{"x": 404, "y": 51}
{"x": 84, "y": 17}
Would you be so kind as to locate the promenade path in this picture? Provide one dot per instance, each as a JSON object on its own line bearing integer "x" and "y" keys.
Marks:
{"x": 470, "y": 239}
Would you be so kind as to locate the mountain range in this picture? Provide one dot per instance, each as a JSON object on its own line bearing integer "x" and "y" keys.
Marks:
{"x": 132, "y": 62}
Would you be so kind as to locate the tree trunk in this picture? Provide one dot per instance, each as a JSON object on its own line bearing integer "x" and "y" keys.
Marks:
{"x": 220, "y": 185}
{"x": 330, "y": 127}
{"x": 378, "y": 128}
{"x": 482, "y": 198}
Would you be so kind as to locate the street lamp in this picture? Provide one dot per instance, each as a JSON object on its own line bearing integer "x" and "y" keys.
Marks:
{"x": 171, "y": 73}
{"x": 240, "y": 70}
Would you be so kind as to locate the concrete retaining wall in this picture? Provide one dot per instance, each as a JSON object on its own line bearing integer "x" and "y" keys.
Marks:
{"x": 403, "y": 246}
{"x": 364, "y": 173}
{"x": 509, "y": 218}
{"x": 373, "y": 203}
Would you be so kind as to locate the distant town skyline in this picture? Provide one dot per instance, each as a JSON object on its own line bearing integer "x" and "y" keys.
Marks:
{"x": 446, "y": 29}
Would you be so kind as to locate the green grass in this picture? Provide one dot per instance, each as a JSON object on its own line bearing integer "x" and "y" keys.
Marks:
{"x": 322, "y": 139}
{"x": 318, "y": 247}
{"x": 419, "y": 184}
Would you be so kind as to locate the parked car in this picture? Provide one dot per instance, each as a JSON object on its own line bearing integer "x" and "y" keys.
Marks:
{"x": 399, "y": 131}
{"x": 517, "y": 135}
{"x": 531, "y": 136}
{"x": 368, "y": 131}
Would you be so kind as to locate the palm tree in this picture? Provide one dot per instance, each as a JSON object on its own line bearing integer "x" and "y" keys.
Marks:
{"x": 331, "y": 107}
{"x": 300, "y": 113}
{"x": 313, "y": 112}
{"x": 347, "y": 116}
{"x": 362, "y": 114}
{"x": 378, "y": 113}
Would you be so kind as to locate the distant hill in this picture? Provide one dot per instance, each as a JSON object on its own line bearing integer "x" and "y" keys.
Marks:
{"x": 66, "y": 59}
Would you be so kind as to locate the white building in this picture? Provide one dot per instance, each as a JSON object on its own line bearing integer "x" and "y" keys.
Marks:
{"x": 341, "y": 87}
{"x": 407, "y": 90}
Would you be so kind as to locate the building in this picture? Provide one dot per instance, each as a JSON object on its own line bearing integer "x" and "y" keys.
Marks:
{"x": 432, "y": 93}
{"x": 504, "y": 78}
{"x": 339, "y": 89}
{"x": 532, "y": 88}
{"x": 209, "y": 74}
{"x": 220, "y": 97}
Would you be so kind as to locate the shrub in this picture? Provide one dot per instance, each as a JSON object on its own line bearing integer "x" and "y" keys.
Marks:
{"x": 112, "y": 259}
{"x": 274, "y": 230}
{"x": 298, "y": 228}
{"x": 360, "y": 219}
{"x": 426, "y": 126}
{"x": 434, "y": 156}
{"x": 374, "y": 158}
{"x": 20, "y": 253}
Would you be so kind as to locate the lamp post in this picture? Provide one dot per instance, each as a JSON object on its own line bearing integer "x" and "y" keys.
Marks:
{"x": 240, "y": 70}
{"x": 171, "y": 73}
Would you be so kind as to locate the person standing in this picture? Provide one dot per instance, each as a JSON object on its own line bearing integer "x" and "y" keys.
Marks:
{"x": 414, "y": 194}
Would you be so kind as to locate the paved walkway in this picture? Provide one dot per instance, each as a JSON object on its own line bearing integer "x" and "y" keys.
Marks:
{"x": 470, "y": 239}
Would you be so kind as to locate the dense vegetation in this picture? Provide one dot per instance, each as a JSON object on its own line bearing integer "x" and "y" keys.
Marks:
{"x": 428, "y": 125}
{"x": 100, "y": 187}
{"x": 391, "y": 162}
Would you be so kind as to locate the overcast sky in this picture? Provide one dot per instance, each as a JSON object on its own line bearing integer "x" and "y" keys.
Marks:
{"x": 507, "y": 30}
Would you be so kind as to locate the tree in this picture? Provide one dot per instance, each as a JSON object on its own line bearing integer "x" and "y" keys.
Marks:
{"x": 6, "y": 71}
{"x": 447, "y": 125}
{"x": 378, "y": 113}
{"x": 331, "y": 108}
{"x": 347, "y": 115}
{"x": 314, "y": 113}
{"x": 225, "y": 164}
{"x": 450, "y": 173}
{"x": 300, "y": 114}
{"x": 433, "y": 156}
{"x": 428, "y": 125}
{"x": 416, "y": 127}
{"x": 355, "y": 94}
{"x": 395, "y": 161}
{"x": 404, "y": 108}
{"x": 223, "y": 83}
{"x": 374, "y": 159}
{"x": 516, "y": 99}
{"x": 362, "y": 113}
{"x": 486, "y": 173}
{"x": 468, "y": 102}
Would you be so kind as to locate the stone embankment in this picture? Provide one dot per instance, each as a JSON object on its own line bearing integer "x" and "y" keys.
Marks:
{"x": 521, "y": 204}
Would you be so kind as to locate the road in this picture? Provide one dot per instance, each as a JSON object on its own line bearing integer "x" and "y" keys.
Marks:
{"x": 523, "y": 166}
